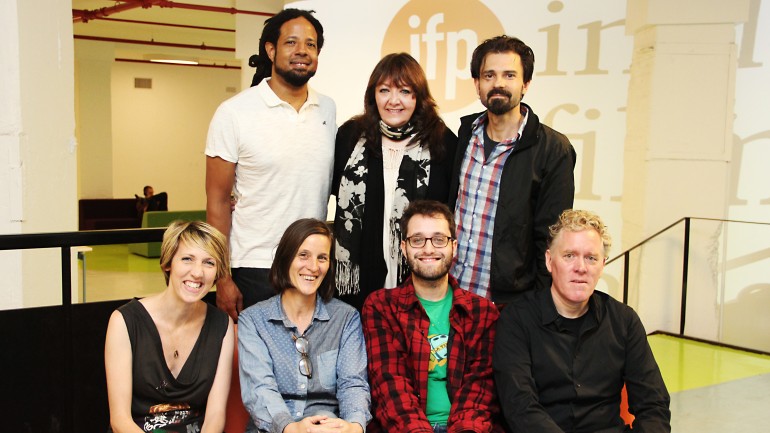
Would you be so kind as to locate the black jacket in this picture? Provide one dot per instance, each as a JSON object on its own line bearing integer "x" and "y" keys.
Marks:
{"x": 373, "y": 268}
{"x": 536, "y": 185}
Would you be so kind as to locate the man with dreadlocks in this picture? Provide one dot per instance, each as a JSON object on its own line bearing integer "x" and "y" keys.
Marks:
{"x": 273, "y": 146}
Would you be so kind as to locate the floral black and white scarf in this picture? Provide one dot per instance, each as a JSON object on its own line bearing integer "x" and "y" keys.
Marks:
{"x": 413, "y": 177}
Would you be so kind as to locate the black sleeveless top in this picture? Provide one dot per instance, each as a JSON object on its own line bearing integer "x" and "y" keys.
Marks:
{"x": 159, "y": 400}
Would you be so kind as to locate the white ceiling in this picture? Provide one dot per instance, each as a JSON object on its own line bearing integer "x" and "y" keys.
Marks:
{"x": 219, "y": 33}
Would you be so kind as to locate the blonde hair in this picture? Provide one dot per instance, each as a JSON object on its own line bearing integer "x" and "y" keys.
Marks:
{"x": 576, "y": 220}
{"x": 199, "y": 234}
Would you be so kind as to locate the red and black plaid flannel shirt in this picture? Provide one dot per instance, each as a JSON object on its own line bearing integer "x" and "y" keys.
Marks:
{"x": 396, "y": 329}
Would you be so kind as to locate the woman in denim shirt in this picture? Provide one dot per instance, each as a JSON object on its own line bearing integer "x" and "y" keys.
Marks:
{"x": 302, "y": 354}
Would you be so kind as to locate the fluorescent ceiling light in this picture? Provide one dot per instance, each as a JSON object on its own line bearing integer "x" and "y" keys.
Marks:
{"x": 177, "y": 60}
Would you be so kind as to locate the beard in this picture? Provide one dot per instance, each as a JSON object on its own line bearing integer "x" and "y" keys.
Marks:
{"x": 499, "y": 106}
{"x": 430, "y": 273}
{"x": 295, "y": 78}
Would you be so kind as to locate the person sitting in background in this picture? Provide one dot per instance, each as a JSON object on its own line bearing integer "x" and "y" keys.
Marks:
{"x": 168, "y": 356}
{"x": 150, "y": 201}
{"x": 301, "y": 353}
{"x": 397, "y": 151}
{"x": 562, "y": 355}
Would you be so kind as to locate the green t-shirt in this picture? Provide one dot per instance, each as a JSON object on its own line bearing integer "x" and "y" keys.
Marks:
{"x": 438, "y": 404}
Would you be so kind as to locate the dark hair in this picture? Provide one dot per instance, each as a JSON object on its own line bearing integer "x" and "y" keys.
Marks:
{"x": 503, "y": 44}
{"x": 430, "y": 208}
{"x": 272, "y": 31}
{"x": 402, "y": 69}
{"x": 199, "y": 234}
{"x": 287, "y": 250}
{"x": 144, "y": 191}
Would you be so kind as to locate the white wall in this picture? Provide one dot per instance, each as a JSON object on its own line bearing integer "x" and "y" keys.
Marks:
{"x": 93, "y": 102}
{"x": 159, "y": 134}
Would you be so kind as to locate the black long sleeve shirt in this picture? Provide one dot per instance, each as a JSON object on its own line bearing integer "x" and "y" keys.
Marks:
{"x": 552, "y": 381}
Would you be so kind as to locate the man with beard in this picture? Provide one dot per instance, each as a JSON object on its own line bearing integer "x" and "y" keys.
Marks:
{"x": 428, "y": 341}
{"x": 272, "y": 145}
{"x": 512, "y": 178}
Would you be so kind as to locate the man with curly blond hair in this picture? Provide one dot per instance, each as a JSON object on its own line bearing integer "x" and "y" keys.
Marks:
{"x": 562, "y": 355}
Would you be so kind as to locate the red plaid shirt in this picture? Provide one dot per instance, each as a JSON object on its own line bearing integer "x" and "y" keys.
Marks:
{"x": 396, "y": 329}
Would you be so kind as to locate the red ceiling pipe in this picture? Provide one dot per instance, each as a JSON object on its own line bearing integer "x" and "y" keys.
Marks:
{"x": 171, "y": 4}
{"x": 153, "y": 23}
{"x": 203, "y": 47}
{"x": 85, "y": 16}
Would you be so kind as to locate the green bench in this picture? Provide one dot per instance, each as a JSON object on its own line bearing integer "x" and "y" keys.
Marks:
{"x": 162, "y": 219}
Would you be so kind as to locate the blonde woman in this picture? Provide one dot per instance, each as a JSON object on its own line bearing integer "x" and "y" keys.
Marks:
{"x": 168, "y": 356}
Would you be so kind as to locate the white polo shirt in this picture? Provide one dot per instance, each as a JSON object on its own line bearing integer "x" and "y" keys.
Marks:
{"x": 284, "y": 161}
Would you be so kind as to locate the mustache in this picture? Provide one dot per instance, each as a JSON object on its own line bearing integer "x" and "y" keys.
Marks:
{"x": 502, "y": 92}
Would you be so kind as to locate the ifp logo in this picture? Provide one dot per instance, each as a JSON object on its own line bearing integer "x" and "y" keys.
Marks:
{"x": 442, "y": 35}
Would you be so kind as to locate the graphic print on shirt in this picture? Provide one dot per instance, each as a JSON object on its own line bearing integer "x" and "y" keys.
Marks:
{"x": 171, "y": 417}
{"x": 438, "y": 350}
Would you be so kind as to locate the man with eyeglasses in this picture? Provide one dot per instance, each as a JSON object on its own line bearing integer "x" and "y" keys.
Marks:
{"x": 428, "y": 341}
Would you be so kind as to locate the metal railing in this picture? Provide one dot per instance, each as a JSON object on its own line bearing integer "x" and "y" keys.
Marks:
{"x": 717, "y": 259}
{"x": 65, "y": 242}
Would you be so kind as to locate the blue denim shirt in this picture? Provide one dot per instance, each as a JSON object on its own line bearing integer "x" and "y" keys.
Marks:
{"x": 274, "y": 391}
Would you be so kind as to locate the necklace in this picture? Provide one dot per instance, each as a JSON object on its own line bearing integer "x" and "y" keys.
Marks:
{"x": 176, "y": 339}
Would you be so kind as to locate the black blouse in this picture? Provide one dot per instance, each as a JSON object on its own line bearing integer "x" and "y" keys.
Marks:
{"x": 158, "y": 397}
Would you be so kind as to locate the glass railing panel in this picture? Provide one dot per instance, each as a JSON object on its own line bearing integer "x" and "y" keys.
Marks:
{"x": 728, "y": 288}
{"x": 114, "y": 272}
{"x": 743, "y": 299}
{"x": 705, "y": 252}
{"x": 655, "y": 273}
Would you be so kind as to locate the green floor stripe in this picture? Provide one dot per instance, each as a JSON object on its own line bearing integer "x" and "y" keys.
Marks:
{"x": 687, "y": 364}
{"x": 117, "y": 258}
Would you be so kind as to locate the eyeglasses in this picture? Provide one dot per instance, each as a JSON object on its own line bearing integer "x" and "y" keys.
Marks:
{"x": 438, "y": 241}
{"x": 303, "y": 347}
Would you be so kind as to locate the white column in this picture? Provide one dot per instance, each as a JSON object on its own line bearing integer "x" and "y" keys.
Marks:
{"x": 10, "y": 160}
{"x": 37, "y": 145}
{"x": 678, "y": 149}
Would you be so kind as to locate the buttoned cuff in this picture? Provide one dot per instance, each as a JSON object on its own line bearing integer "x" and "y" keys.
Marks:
{"x": 357, "y": 417}
{"x": 280, "y": 421}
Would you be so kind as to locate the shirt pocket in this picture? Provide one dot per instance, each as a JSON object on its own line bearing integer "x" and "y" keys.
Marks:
{"x": 327, "y": 369}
